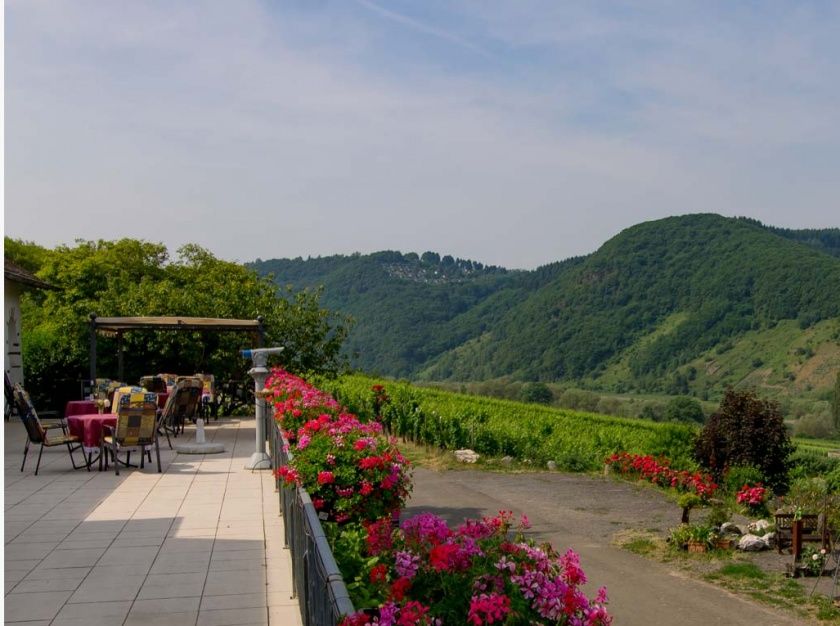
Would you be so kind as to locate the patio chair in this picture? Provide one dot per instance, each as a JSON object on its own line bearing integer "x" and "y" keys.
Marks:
{"x": 136, "y": 427}
{"x": 156, "y": 384}
{"x": 38, "y": 432}
{"x": 181, "y": 405}
{"x": 208, "y": 407}
{"x": 130, "y": 391}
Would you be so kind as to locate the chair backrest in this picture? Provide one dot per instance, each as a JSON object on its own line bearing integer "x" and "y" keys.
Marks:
{"x": 128, "y": 391}
{"x": 170, "y": 380}
{"x": 28, "y": 415}
{"x": 11, "y": 405}
{"x": 208, "y": 384}
{"x": 153, "y": 383}
{"x": 184, "y": 399}
{"x": 136, "y": 419}
{"x": 137, "y": 398}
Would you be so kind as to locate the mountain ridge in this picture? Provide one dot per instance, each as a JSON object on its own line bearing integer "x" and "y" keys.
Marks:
{"x": 586, "y": 318}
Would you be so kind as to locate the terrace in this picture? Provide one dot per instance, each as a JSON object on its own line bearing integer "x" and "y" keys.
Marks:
{"x": 200, "y": 543}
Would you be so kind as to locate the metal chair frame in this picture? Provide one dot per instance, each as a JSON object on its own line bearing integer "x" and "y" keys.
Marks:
{"x": 37, "y": 433}
{"x": 182, "y": 404}
{"x": 137, "y": 427}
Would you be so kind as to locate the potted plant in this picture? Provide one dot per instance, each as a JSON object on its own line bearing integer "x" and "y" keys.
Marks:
{"x": 812, "y": 561}
{"x": 699, "y": 537}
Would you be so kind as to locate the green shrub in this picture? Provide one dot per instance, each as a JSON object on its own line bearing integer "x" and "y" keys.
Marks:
{"x": 820, "y": 426}
{"x": 684, "y": 409}
{"x": 740, "y": 475}
{"x": 536, "y": 392}
{"x": 746, "y": 430}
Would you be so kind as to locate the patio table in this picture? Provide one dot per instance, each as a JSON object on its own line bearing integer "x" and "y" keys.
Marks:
{"x": 88, "y": 428}
{"x": 79, "y": 407}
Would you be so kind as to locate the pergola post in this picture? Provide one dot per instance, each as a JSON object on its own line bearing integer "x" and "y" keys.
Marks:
{"x": 93, "y": 349}
{"x": 120, "y": 356}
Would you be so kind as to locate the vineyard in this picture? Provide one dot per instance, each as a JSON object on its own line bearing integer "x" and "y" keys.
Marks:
{"x": 575, "y": 441}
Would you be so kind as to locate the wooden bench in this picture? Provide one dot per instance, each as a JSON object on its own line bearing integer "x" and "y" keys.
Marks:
{"x": 813, "y": 530}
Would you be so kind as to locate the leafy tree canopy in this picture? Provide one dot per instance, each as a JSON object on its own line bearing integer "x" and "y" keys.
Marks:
{"x": 683, "y": 409}
{"x": 746, "y": 431}
{"x": 536, "y": 392}
{"x": 136, "y": 278}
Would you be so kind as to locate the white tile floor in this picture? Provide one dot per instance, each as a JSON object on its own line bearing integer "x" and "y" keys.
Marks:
{"x": 199, "y": 544}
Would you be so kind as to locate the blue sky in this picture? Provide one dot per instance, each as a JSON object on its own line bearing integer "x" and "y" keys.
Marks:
{"x": 513, "y": 133}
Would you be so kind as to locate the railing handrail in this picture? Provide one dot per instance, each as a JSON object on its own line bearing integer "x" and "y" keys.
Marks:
{"x": 306, "y": 540}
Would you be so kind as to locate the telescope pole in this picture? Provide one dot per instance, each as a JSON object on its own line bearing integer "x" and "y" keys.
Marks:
{"x": 259, "y": 459}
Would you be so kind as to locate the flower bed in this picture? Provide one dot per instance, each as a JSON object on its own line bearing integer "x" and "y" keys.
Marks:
{"x": 659, "y": 472}
{"x": 424, "y": 572}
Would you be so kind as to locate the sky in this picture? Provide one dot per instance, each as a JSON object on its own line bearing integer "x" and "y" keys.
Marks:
{"x": 513, "y": 133}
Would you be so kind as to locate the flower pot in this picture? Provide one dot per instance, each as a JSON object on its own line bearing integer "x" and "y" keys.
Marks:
{"x": 725, "y": 544}
{"x": 697, "y": 547}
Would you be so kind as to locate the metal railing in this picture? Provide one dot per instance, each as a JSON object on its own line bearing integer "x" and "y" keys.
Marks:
{"x": 317, "y": 581}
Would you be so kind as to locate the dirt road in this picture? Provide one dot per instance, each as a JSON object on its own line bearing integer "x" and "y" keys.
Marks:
{"x": 583, "y": 512}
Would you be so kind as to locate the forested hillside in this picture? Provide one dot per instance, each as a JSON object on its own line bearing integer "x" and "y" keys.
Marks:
{"x": 404, "y": 306}
{"x": 679, "y": 305}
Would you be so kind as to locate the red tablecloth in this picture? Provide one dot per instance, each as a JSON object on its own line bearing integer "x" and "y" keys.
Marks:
{"x": 79, "y": 407}
{"x": 89, "y": 428}
{"x": 162, "y": 398}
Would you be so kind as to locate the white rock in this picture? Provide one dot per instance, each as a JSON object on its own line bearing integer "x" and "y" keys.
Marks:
{"x": 752, "y": 543}
{"x": 758, "y": 527}
{"x": 770, "y": 538}
{"x": 467, "y": 456}
{"x": 551, "y": 465}
{"x": 507, "y": 460}
{"x": 730, "y": 528}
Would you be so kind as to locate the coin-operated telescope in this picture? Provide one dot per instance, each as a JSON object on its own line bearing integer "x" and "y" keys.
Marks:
{"x": 259, "y": 356}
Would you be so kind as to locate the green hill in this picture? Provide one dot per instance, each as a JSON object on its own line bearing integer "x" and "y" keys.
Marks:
{"x": 403, "y": 304}
{"x": 679, "y": 305}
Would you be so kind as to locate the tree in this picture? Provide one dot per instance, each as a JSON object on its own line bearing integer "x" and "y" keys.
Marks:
{"x": 746, "y": 431}
{"x": 683, "y": 409}
{"x": 135, "y": 278}
{"x": 536, "y": 392}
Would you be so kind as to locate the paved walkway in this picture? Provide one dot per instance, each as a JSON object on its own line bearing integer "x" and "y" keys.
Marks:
{"x": 200, "y": 544}
{"x": 578, "y": 511}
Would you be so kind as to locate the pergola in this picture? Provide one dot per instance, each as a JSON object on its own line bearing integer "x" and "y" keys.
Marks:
{"x": 116, "y": 326}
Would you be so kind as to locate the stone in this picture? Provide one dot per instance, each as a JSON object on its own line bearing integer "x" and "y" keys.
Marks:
{"x": 467, "y": 456}
{"x": 551, "y": 465}
{"x": 752, "y": 543}
{"x": 507, "y": 460}
{"x": 758, "y": 527}
{"x": 770, "y": 538}
{"x": 730, "y": 528}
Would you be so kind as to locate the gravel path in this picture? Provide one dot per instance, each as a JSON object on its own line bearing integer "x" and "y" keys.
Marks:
{"x": 583, "y": 512}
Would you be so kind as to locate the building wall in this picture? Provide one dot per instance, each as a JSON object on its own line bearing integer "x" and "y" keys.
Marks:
{"x": 12, "y": 363}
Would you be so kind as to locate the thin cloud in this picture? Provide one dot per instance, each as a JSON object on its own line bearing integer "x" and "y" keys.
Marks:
{"x": 423, "y": 28}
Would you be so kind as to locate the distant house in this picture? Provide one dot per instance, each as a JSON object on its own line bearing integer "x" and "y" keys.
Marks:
{"x": 17, "y": 280}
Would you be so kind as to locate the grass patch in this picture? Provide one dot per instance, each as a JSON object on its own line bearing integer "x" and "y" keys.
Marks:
{"x": 640, "y": 545}
{"x": 431, "y": 458}
{"x": 742, "y": 570}
{"x": 773, "y": 589}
